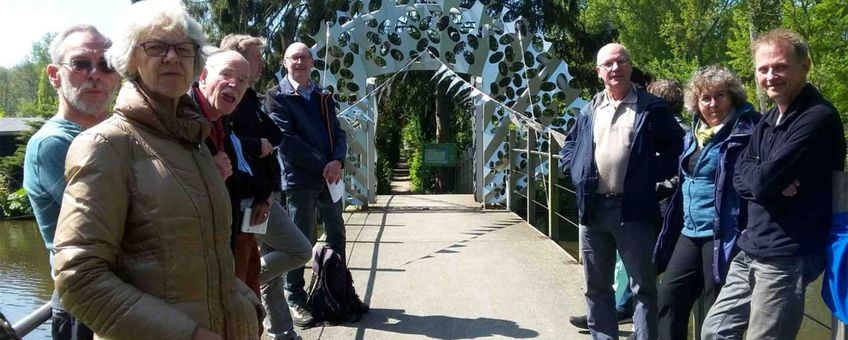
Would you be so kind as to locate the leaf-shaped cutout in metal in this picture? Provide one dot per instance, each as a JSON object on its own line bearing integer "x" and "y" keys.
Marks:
{"x": 532, "y": 73}
{"x": 397, "y": 54}
{"x": 422, "y": 44}
{"x": 444, "y": 21}
{"x": 380, "y": 61}
{"x": 516, "y": 80}
{"x": 495, "y": 57}
{"x": 561, "y": 82}
{"x": 547, "y": 86}
{"x": 503, "y": 68}
{"x": 413, "y": 54}
{"x": 352, "y": 87}
{"x": 516, "y": 66}
{"x": 434, "y": 36}
{"x": 395, "y": 39}
{"x": 336, "y": 52}
{"x": 506, "y": 39}
{"x": 335, "y": 66}
{"x": 433, "y": 50}
{"x": 319, "y": 64}
{"x": 426, "y": 23}
{"x": 384, "y": 48}
{"x": 373, "y": 38}
{"x": 354, "y": 47}
{"x": 459, "y": 47}
{"x": 494, "y": 88}
{"x": 374, "y": 5}
{"x": 453, "y": 34}
{"x": 348, "y": 59}
{"x": 372, "y": 23}
{"x": 385, "y": 27}
{"x": 528, "y": 58}
{"x": 413, "y": 32}
{"x": 546, "y": 99}
{"x": 346, "y": 73}
{"x": 450, "y": 57}
{"x": 509, "y": 92}
{"x": 472, "y": 41}
{"x": 504, "y": 82}
{"x": 469, "y": 57}
{"x": 493, "y": 43}
{"x": 508, "y": 54}
{"x": 344, "y": 39}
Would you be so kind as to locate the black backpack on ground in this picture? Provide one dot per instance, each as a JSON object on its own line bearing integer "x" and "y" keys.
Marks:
{"x": 332, "y": 298}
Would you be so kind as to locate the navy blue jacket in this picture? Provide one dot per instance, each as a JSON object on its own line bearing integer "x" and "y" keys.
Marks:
{"x": 312, "y": 136}
{"x": 807, "y": 145}
{"x": 657, "y": 142}
{"x": 730, "y": 209}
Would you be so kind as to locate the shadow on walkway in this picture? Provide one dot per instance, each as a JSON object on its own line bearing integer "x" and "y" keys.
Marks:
{"x": 441, "y": 327}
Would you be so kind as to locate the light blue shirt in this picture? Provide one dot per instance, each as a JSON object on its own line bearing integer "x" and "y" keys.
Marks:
{"x": 44, "y": 172}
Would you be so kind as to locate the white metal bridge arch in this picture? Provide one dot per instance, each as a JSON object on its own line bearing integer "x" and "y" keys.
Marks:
{"x": 512, "y": 78}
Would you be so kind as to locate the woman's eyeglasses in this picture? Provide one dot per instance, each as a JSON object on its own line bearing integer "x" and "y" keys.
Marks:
{"x": 85, "y": 65}
{"x": 155, "y": 48}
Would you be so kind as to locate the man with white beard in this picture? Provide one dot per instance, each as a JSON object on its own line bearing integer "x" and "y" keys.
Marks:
{"x": 85, "y": 85}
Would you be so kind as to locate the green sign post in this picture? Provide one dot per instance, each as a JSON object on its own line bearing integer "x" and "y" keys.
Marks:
{"x": 440, "y": 155}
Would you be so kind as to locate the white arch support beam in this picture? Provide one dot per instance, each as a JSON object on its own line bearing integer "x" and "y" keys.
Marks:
{"x": 511, "y": 79}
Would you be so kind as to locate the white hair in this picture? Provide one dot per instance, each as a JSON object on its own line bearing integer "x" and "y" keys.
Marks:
{"x": 56, "y": 50}
{"x": 145, "y": 17}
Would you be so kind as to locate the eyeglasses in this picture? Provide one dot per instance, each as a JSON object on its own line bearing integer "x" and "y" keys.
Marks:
{"x": 608, "y": 65}
{"x": 300, "y": 58}
{"x": 85, "y": 65}
{"x": 155, "y": 48}
{"x": 705, "y": 99}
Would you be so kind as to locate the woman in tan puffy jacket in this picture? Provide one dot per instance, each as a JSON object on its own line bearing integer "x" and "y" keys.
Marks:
{"x": 142, "y": 244}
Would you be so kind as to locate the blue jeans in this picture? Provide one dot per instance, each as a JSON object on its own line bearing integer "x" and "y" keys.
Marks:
{"x": 303, "y": 204}
{"x": 601, "y": 237}
{"x": 764, "y": 296}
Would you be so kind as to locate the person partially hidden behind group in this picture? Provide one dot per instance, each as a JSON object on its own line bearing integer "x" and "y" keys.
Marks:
{"x": 283, "y": 246}
{"x": 700, "y": 229}
{"x": 142, "y": 243}
{"x": 221, "y": 86}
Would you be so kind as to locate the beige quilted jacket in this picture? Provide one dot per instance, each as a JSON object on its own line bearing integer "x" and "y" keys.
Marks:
{"x": 143, "y": 240}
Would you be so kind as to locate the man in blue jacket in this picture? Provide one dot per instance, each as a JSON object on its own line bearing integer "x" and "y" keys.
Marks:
{"x": 85, "y": 86}
{"x": 312, "y": 153}
{"x": 623, "y": 143}
{"x": 785, "y": 175}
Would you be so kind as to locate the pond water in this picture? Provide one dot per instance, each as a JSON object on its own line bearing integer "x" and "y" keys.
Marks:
{"x": 25, "y": 282}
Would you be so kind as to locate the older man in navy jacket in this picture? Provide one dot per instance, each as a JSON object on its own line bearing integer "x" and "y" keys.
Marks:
{"x": 312, "y": 153}
{"x": 785, "y": 175}
{"x": 623, "y": 143}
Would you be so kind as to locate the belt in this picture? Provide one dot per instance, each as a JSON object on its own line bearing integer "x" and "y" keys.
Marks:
{"x": 609, "y": 195}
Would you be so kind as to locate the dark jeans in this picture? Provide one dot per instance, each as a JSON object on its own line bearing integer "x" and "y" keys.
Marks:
{"x": 66, "y": 327}
{"x": 689, "y": 273}
{"x": 303, "y": 204}
{"x": 601, "y": 237}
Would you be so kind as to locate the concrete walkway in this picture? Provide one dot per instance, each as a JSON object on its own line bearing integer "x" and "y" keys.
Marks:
{"x": 437, "y": 266}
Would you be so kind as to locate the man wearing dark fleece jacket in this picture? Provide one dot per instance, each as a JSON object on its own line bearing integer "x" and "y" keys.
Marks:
{"x": 785, "y": 174}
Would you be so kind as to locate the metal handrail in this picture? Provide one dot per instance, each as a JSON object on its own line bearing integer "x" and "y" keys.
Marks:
{"x": 33, "y": 320}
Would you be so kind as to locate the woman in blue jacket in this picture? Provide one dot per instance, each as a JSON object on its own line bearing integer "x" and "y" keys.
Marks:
{"x": 706, "y": 215}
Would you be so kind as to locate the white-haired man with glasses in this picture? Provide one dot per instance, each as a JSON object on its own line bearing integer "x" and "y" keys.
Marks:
{"x": 623, "y": 143}
{"x": 85, "y": 85}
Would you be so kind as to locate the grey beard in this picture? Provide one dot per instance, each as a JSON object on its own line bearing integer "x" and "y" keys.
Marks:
{"x": 72, "y": 95}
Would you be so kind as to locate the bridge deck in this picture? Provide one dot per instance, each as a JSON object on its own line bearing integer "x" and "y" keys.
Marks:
{"x": 437, "y": 266}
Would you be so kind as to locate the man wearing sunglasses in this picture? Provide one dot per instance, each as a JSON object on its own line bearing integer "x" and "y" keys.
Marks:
{"x": 85, "y": 86}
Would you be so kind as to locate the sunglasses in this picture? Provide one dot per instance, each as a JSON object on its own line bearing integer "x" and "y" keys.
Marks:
{"x": 85, "y": 65}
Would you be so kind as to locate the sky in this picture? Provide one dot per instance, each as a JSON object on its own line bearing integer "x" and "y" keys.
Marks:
{"x": 23, "y": 22}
